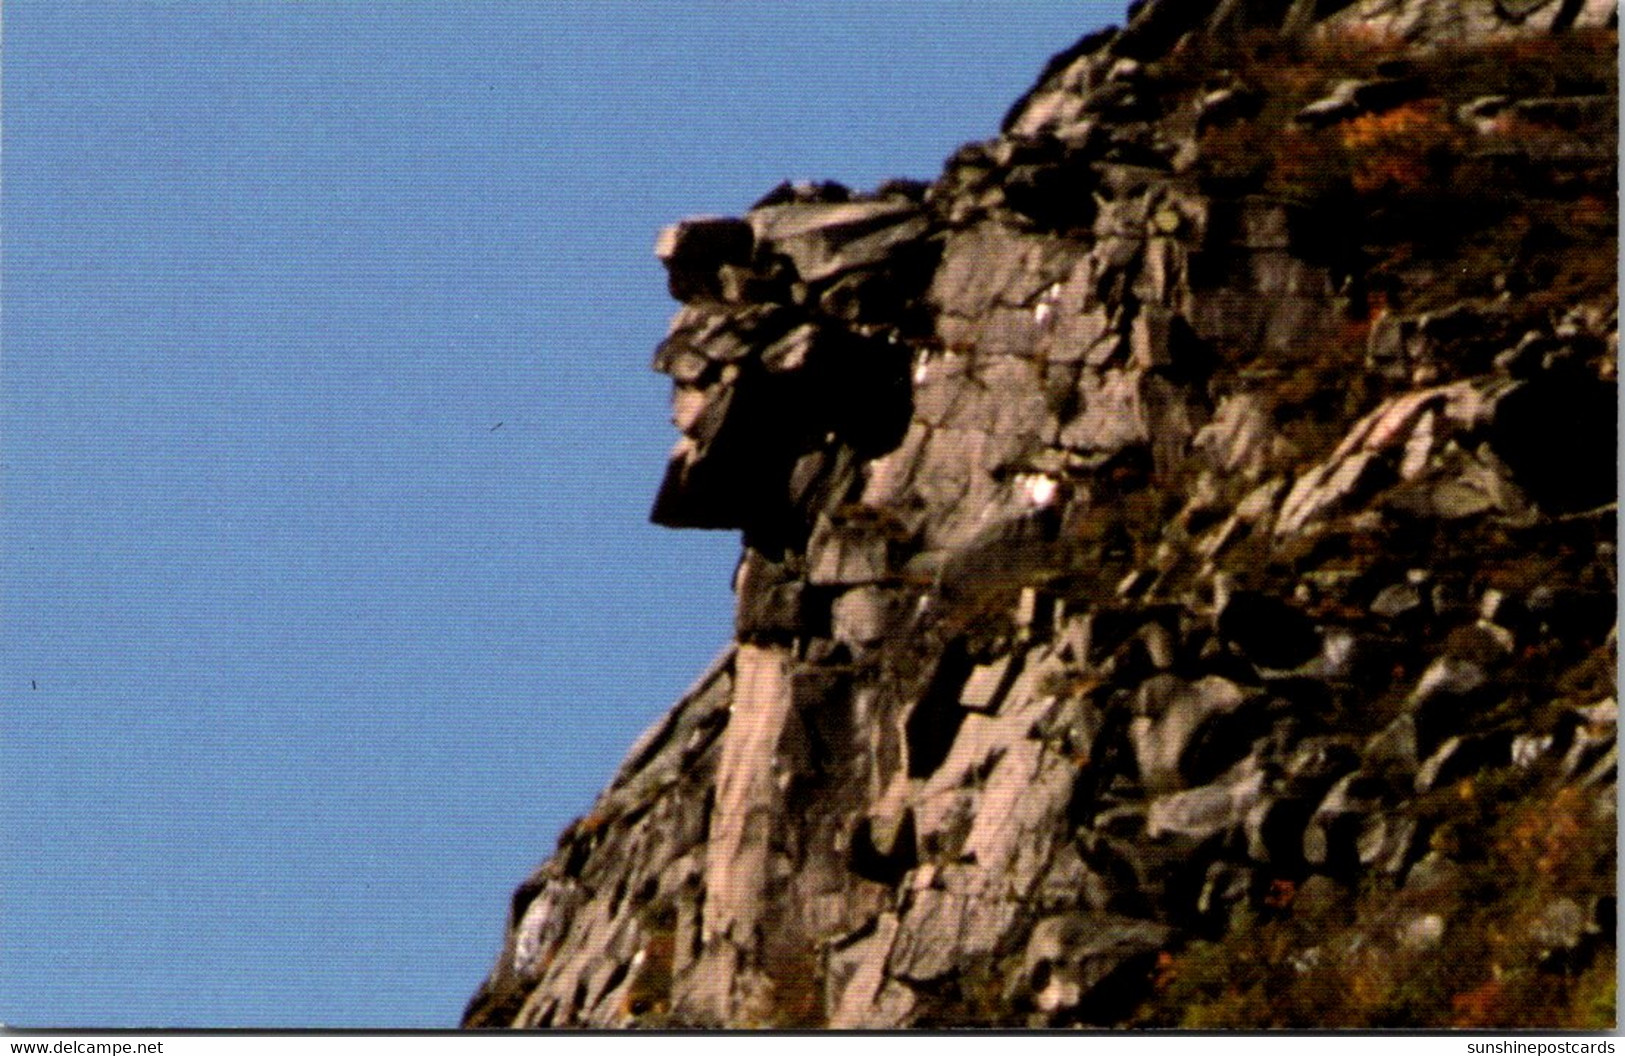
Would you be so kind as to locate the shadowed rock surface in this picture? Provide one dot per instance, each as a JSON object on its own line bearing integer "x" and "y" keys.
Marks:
{"x": 1178, "y": 576}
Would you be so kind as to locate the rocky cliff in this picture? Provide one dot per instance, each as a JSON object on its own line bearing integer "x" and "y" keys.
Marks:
{"x": 1178, "y": 559}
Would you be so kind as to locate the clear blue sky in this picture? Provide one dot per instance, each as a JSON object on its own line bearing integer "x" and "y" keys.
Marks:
{"x": 305, "y": 661}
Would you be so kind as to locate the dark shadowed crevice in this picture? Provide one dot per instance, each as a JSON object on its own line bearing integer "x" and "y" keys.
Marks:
{"x": 934, "y": 722}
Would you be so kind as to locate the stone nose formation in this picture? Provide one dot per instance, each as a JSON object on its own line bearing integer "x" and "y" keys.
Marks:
{"x": 1177, "y": 582}
{"x": 788, "y": 368}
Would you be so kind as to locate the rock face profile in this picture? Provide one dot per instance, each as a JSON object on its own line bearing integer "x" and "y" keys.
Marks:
{"x": 1178, "y": 577}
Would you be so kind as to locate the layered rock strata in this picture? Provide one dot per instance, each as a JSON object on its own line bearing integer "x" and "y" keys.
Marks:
{"x": 1190, "y": 516}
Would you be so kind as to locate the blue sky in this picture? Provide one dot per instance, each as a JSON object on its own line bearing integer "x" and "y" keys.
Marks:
{"x": 327, "y": 441}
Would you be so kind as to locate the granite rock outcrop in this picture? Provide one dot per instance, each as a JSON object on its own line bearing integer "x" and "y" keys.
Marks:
{"x": 1178, "y": 573}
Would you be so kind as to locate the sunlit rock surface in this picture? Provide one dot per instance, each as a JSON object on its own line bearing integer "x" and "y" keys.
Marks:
{"x": 1178, "y": 575}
